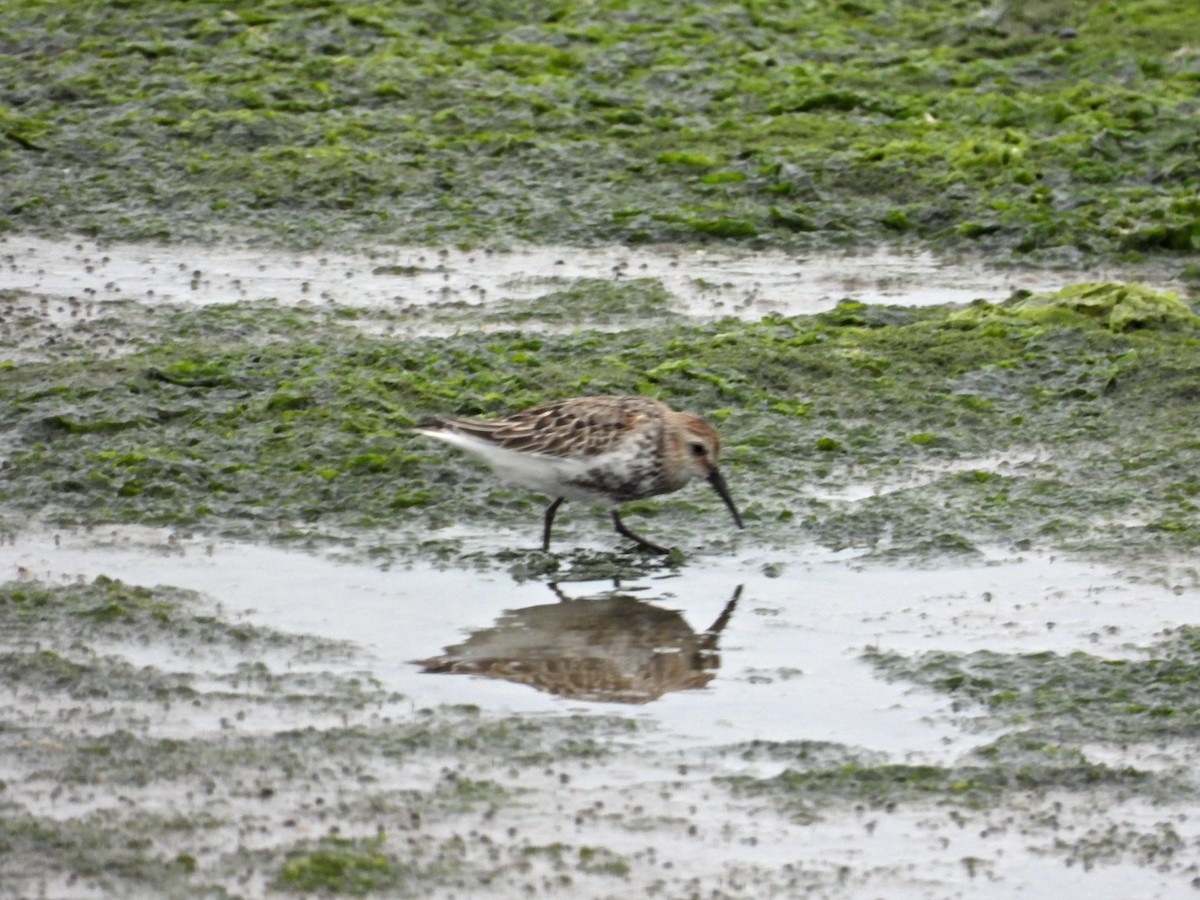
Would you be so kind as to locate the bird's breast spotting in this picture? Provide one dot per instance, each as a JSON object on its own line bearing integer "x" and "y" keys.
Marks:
{"x": 623, "y": 476}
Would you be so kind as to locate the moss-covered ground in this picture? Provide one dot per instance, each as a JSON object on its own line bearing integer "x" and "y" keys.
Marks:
{"x": 1046, "y": 422}
{"x": 1078, "y": 697}
{"x": 1046, "y": 128}
{"x": 153, "y": 746}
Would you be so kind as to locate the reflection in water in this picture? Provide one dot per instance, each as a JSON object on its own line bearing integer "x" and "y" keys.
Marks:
{"x": 612, "y": 648}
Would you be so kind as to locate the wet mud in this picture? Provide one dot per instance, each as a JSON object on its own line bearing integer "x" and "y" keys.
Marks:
{"x": 262, "y": 726}
{"x": 951, "y": 655}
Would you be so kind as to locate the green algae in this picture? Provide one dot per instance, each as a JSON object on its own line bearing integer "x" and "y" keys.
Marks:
{"x": 95, "y": 733}
{"x": 820, "y": 778}
{"x": 804, "y": 793}
{"x": 1046, "y": 129}
{"x": 87, "y": 849}
{"x": 1148, "y": 697}
{"x": 103, "y": 600}
{"x": 1120, "y": 307}
{"x": 54, "y": 632}
{"x": 291, "y": 424}
{"x": 271, "y": 783}
{"x": 341, "y": 867}
{"x": 107, "y": 609}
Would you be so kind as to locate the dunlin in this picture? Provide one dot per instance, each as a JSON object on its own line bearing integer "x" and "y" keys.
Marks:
{"x": 606, "y": 449}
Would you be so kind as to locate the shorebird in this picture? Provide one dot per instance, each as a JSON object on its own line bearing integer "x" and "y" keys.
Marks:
{"x": 605, "y": 449}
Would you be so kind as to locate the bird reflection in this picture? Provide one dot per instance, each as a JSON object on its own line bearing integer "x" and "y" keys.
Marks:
{"x": 610, "y": 648}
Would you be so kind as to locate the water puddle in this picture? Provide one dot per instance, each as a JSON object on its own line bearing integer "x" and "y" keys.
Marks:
{"x": 721, "y": 654}
{"x": 714, "y": 653}
{"x": 77, "y": 274}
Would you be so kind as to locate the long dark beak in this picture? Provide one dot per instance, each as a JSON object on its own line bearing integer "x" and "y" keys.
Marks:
{"x": 717, "y": 480}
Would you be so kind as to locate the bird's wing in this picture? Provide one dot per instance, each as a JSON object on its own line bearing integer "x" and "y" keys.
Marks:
{"x": 580, "y": 427}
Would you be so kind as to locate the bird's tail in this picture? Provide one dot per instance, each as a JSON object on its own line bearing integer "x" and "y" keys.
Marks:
{"x": 432, "y": 423}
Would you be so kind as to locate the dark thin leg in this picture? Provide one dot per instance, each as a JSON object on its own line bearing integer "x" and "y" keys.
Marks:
{"x": 649, "y": 545}
{"x": 549, "y": 520}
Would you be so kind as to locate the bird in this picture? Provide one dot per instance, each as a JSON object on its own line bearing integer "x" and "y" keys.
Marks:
{"x": 606, "y": 449}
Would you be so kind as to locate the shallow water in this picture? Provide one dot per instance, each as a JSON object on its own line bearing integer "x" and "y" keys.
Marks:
{"x": 789, "y": 656}
{"x": 700, "y": 282}
{"x": 790, "y": 670}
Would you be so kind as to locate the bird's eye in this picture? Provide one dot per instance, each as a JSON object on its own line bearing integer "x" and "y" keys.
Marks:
{"x": 698, "y": 450}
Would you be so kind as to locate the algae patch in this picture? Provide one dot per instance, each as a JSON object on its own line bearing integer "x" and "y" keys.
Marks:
{"x": 804, "y": 793}
{"x": 1149, "y": 696}
{"x": 1120, "y": 307}
{"x": 107, "y": 609}
{"x": 1043, "y": 129}
{"x": 127, "y": 778}
{"x": 342, "y": 867}
{"x": 959, "y": 427}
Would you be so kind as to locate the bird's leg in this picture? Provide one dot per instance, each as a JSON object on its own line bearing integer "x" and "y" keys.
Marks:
{"x": 649, "y": 545}
{"x": 549, "y": 520}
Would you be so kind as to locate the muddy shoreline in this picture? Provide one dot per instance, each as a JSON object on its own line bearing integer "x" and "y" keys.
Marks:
{"x": 341, "y": 762}
{"x": 926, "y": 658}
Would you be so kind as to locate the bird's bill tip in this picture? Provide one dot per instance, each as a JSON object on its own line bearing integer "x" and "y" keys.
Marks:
{"x": 717, "y": 480}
